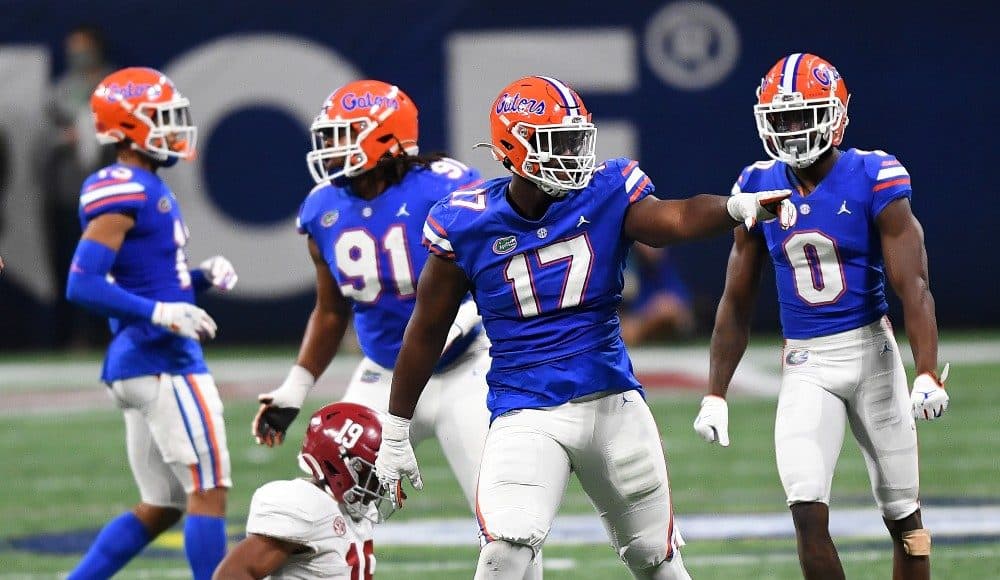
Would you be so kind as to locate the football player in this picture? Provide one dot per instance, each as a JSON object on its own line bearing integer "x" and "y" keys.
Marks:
{"x": 130, "y": 266}
{"x": 364, "y": 223}
{"x": 543, "y": 253}
{"x": 841, "y": 363}
{"x": 319, "y": 527}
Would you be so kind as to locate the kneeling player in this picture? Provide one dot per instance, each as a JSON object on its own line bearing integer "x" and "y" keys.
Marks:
{"x": 319, "y": 527}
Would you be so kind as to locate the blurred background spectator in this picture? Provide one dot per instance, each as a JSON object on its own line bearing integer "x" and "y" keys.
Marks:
{"x": 657, "y": 303}
{"x": 70, "y": 153}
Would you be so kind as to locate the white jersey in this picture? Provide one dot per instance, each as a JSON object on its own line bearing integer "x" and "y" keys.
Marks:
{"x": 298, "y": 511}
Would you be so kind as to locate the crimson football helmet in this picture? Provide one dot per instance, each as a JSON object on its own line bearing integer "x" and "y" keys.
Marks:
{"x": 142, "y": 106}
{"x": 801, "y": 109}
{"x": 361, "y": 122}
{"x": 541, "y": 130}
{"x": 339, "y": 451}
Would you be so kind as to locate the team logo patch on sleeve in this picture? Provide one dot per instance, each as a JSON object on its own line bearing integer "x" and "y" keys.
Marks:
{"x": 329, "y": 218}
{"x": 504, "y": 245}
{"x": 339, "y": 526}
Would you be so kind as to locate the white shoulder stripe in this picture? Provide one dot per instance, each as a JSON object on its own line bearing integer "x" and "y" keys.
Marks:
{"x": 102, "y": 192}
{"x": 736, "y": 189}
{"x": 633, "y": 178}
{"x": 888, "y": 172}
{"x": 437, "y": 240}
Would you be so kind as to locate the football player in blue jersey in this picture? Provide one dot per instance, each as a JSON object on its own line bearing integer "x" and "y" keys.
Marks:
{"x": 130, "y": 266}
{"x": 841, "y": 363}
{"x": 543, "y": 253}
{"x": 365, "y": 222}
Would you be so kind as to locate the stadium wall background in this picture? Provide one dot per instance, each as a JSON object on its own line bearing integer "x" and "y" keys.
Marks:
{"x": 670, "y": 83}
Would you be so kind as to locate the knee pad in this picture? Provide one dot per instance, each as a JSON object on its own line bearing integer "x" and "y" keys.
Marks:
{"x": 640, "y": 556}
{"x": 806, "y": 491}
{"x": 917, "y": 542}
{"x": 503, "y": 560}
{"x": 896, "y": 504}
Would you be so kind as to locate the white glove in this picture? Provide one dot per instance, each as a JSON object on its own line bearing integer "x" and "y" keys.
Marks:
{"x": 749, "y": 208}
{"x": 184, "y": 319}
{"x": 280, "y": 407}
{"x": 220, "y": 272}
{"x": 929, "y": 398}
{"x": 712, "y": 422}
{"x": 396, "y": 460}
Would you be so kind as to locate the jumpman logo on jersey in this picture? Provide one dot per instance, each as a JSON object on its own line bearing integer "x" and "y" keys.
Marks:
{"x": 582, "y": 221}
{"x": 843, "y": 209}
{"x": 402, "y": 211}
{"x": 885, "y": 348}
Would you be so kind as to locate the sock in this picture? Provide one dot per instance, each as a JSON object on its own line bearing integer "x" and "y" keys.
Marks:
{"x": 204, "y": 544}
{"x": 120, "y": 540}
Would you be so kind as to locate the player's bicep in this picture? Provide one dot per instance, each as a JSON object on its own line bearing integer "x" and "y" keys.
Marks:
{"x": 902, "y": 245}
{"x": 647, "y": 219}
{"x": 440, "y": 290}
{"x": 329, "y": 298}
{"x": 257, "y": 556}
{"x": 109, "y": 229}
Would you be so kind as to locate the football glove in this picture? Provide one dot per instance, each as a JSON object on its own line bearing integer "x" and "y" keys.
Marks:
{"x": 280, "y": 407}
{"x": 184, "y": 319}
{"x": 712, "y": 422}
{"x": 751, "y": 208}
{"x": 219, "y": 272}
{"x": 929, "y": 398}
{"x": 396, "y": 459}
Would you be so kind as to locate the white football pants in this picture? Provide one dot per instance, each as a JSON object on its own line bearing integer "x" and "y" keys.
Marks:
{"x": 855, "y": 378}
{"x": 612, "y": 444}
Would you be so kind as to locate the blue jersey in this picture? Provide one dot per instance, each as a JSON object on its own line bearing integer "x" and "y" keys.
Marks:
{"x": 373, "y": 249}
{"x": 151, "y": 263}
{"x": 829, "y": 266}
{"x": 547, "y": 290}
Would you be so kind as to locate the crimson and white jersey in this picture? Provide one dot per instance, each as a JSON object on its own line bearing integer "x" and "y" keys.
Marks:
{"x": 298, "y": 511}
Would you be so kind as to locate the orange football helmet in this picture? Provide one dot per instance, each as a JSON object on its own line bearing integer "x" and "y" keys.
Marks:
{"x": 361, "y": 122}
{"x": 541, "y": 130}
{"x": 801, "y": 109}
{"x": 142, "y": 106}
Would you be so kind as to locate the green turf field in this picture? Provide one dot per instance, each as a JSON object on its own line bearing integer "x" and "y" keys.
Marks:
{"x": 68, "y": 472}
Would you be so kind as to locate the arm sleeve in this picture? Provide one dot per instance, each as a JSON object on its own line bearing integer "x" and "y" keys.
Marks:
{"x": 891, "y": 182}
{"x": 89, "y": 287}
{"x": 435, "y": 235}
{"x": 637, "y": 184}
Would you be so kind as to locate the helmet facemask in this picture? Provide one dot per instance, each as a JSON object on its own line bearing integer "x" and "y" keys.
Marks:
{"x": 365, "y": 491}
{"x": 798, "y": 131}
{"x": 560, "y": 158}
{"x": 172, "y": 133}
{"x": 334, "y": 141}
